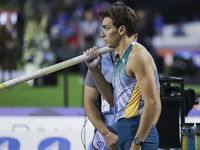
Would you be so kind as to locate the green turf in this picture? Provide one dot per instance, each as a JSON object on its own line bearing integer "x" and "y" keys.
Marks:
{"x": 75, "y": 90}
{"x": 24, "y": 95}
{"x": 195, "y": 87}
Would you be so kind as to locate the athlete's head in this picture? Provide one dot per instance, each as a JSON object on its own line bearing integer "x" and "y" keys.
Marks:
{"x": 121, "y": 15}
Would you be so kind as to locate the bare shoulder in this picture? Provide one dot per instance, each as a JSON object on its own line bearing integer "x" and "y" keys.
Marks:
{"x": 139, "y": 55}
{"x": 139, "y": 61}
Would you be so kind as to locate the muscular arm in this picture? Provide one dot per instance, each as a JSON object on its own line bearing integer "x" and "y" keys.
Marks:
{"x": 144, "y": 73}
{"x": 91, "y": 110}
{"x": 105, "y": 88}
{"x": 90, "y": 100}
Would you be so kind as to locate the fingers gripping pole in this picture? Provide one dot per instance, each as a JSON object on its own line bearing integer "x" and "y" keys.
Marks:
{"x": 50, "y": 69}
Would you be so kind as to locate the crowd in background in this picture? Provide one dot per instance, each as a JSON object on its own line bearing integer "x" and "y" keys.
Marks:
{"x": 50, "y": 31}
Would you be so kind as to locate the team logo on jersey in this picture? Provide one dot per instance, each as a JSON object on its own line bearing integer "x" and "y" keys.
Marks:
{"x": 123, "y": 60}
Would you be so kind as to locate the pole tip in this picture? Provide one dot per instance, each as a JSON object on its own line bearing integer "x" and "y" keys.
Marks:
{"x": 2, "y": 86}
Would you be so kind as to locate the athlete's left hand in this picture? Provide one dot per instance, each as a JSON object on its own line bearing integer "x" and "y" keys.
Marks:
{"x": 93, "y": 52}
{"x": 111, "y": 141}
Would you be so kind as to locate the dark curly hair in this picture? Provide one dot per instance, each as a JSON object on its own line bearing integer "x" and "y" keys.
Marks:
{"x": 121, "y": 15}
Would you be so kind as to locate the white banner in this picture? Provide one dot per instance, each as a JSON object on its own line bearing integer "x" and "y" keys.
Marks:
{"x": 45, "y": 133}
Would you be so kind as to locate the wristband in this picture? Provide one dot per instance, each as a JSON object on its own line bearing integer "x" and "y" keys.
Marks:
{"x": 107, "y": 135}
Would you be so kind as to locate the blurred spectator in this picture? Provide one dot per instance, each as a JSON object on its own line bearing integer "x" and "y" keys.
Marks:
{"x": 63, "y": 31}
{"x": 73, "y": 40}
{"x": 9, "y": 41}
{"x": 59, "y": 20}
{"x": 89, "y": 31}
{"x": 179, "y": 26}
{"x": 37, "y": 52}
{"x": 178, "y": 30}
{"x": 145, "y": 31}
{"x": 158, "y": 23}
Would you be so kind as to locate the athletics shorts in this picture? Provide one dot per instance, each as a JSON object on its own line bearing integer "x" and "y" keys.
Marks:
{"x": 127, "y": 128}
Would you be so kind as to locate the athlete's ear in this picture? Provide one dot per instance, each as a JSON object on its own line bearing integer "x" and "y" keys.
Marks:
{"x": 122, "y": 30}
{"x": 135, "y": 37}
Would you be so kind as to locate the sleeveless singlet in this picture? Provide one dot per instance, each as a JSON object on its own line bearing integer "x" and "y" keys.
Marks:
{"x": 127, "y": 96}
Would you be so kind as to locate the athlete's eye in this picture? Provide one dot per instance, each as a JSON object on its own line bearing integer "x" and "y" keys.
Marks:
{"x": 107, "y": 28}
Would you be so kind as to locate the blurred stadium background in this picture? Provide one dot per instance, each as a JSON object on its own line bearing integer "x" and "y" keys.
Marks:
{"x": 38, "y": 33}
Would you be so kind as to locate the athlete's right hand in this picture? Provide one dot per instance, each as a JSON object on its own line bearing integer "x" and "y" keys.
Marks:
{"x": 111, "y": 141}
{"x": 94, "y": 62}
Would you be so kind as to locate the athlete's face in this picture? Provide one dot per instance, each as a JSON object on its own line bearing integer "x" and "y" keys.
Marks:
{"x": 110, "y": 33}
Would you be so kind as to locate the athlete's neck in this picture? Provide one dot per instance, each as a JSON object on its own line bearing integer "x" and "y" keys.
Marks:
{"x": 123, "y": 46}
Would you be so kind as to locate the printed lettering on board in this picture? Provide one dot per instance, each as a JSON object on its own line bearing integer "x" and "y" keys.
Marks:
{"x": 54, "y": 143}
{"x": 8, "y": 143}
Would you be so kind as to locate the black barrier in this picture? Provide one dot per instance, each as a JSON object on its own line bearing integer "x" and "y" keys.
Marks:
{"x": 176, "y": 101}
{"x": 168, "y": 124}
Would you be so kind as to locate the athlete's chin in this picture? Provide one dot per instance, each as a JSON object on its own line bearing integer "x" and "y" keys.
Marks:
{"x": 110, "y": 46}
